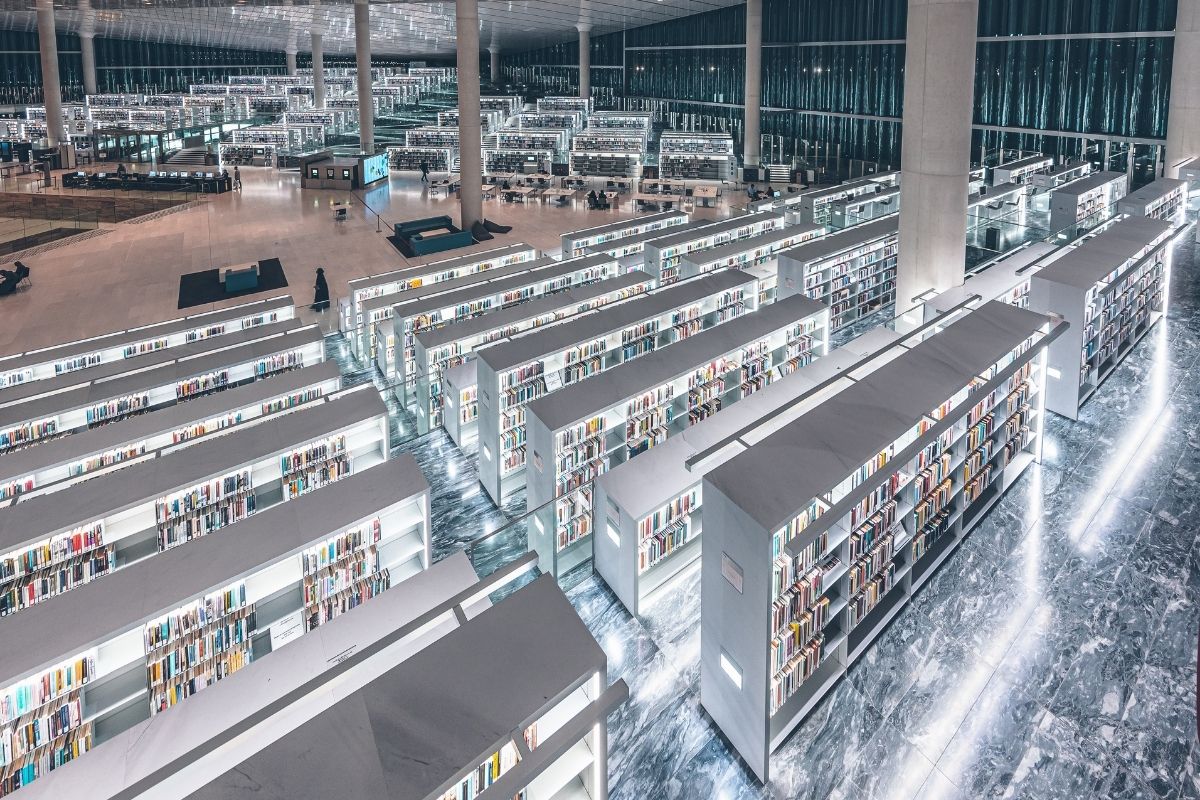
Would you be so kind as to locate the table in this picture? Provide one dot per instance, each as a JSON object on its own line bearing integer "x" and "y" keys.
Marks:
{"x": 521, "y": 193}
{"x": 489, "y": 189}
{"x": 665, "y": 187}
{"x": 540, "y": 179}
{"x": 561, "y": 195}
{"x": 706, "y": 195}
{"x": 498, "y": 178}
{"x": 621, "y": 184}
{"x": 575, "y": 182}
{"x": 449, "y": 185}
{"x": 664, "y": 200}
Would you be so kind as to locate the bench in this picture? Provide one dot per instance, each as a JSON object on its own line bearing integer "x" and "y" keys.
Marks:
{"x": 421, "y": 237}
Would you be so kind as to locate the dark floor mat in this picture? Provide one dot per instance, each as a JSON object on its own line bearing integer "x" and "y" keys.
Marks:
{"x": 204, "y": 288}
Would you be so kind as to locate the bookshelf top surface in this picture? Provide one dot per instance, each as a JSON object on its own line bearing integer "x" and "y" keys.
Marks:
{"x": 586, "y": 327}
{"x": 464, "y": 375}
{"x": 1088, "y": 182}
{"x": 122, "y": 366}
{"x": 1101, "y": 254}
{"x": 529, "y": 309}
{"x": 440, "y": 266}
{"x": 683, "y": 237}
{"x": 440, "y": 712}
{"x": 1153, "y": 191}
{"x": 645, "y": 219}
{"x": 85, "y": 391}
{"x": 648, "y": 236}
{"x": 714, "y": 254}
{"x": 884, "y": 192}
{"x": 100, "y": 610}
{"x": 463, "y": 282}
{"x": 1028, "y": 161}
{"x": 994, "y": 281}
{"x": 998, "y": 192}
{"x": 841, "y": 188}
{"x": 34, "y": 519}
{"x": 835, "y": 243}
{"x": 582, "y": 399}
{"x": 780, "y": 475}
{"x": 133, "y": 335}
{"x": 142, "y": 426}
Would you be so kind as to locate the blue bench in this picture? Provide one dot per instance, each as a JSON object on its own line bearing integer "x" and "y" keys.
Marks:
{"x": 421, "y": 237}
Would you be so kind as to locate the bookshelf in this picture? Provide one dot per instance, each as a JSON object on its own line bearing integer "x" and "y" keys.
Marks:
{"x": 576, "y": 243}
{"x": 751, "y": 253}
{"x": 460, "y": 415}
{"x": 53, "y": 361}
{"x": 815, "y": 207}
{"x": 554, "y": 140}
{"x": 440, "y": 349}
{"x": 489, "y": 121}
{"x": 630, "y": 250}
{"x": 1086, "y": 198}
{"x": 516, "y": 160}
{"x": 1021, "y": 170}
{"x": 807, "y": 558}
{"x": 514, "y": 372}
{"x": 557, "y": 104}
{"x": 432, "y": 137}
{"x": 506, "y": 104}
{"x": 1112, "y": 289}
{"x": 664, "y": 256}
{"x": 1006, "y": 280}
{"x": 621, "y": 120}
{"x": 111, "y": 446}
{"x": 857, "y": 210}
{"x": 578, "y": 433}
{"x": 1189, "y": 173}
{"x": 117, "y": 519}
{"x": 202, "y": 617}
{"x": 998, "y": 202}
{"x": 428, "y": 308}
{"x": 699, "y": 156}
{"x": 608, "y": 163}
{"x": 570, "y": 120}
{"x": 597, "y": 141}
{"x": 853, "y": 271}
{"x": 67, "y": 404}
{"x": 1163, "y": 199}
{"x": 354, "y": 323}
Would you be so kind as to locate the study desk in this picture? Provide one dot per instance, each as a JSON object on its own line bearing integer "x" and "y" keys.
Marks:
{"x": 666, "y": 201}
{"x": 559, "y": 195}
{"x": 706, "y": 195}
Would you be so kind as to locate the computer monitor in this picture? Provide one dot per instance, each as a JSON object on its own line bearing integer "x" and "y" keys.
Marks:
{"x": 101, "y": 174}
{"x": 152, "y": 174}
{"x": 210, "y": 174}
{"x": 173, "y": 175}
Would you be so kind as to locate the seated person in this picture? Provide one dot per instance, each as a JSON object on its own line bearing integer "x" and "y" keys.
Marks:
{"x": 8, "y": 282}
{"x": 593, "y": 199}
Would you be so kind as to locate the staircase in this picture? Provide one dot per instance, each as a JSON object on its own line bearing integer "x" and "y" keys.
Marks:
{"x": 188, "y": 157}
{"x": 778, "y": 173}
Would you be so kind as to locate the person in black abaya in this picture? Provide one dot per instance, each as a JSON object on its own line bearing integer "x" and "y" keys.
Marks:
{"x": 320, "y": 292}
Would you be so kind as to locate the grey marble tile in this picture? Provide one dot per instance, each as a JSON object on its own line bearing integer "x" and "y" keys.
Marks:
{"x": 716, "y": 771}
{"x": 1158, "y": 728}
{"x": 889, "y": 668}
{"x": 938, "y": 787}
{"x": 890, "y": 767}
{"x": 1057, "y": 765}
{"x": 652, "y": 763}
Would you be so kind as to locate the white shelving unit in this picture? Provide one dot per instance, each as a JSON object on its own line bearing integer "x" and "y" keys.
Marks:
{"x": 432, "y": 136}
{"x": 112, "y": 521}
{"x": 756, "y": 255}
{"x": 1163, "y": 199}
{"x": 641, "y": 121}
{"x": 853, "y": 272}
{"x": 84, "y": 455}
{"x": 815, "y": 207}
{"x": 998, "y": 202}
{"x": 1021, "y": 170}
{"x": 807, "y": 557}
{"x": 577, "y": 243}
{"x": 1086, "y": 199}
{"x": 58, "y": 406}
{"x": 579, "y": 433}
{"x": 361, "y": 330}
{"x": 663, "y": 257}
{"x": 1006, "y": 280}
{"x": 571, "y": 120}
{"x": 558, "y": 104}
{"x": 511, "y": 373}
{"x": 1112, "y": 289}
{"x": 439, "y": 350}
{"x": 1060, "y": 174}
{"x": 864, "y": 208}
{"x": 202, "y": 616}
{"x": 699, "y": 156}
{"x": 630, "y": 250}
{"x": 460, "y": 411}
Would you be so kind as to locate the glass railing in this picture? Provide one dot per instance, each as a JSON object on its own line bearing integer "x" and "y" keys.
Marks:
{"x": 18, "y": 232}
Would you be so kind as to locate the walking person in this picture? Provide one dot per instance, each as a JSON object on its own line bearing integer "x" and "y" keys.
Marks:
{"x": 237, "y": 179}
{"x": 424, "y": 172}
{"x": 320, "y": 292}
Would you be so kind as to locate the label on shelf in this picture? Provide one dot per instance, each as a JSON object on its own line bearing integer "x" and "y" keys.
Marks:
{"x": 731, "y": 572}
{"x": 287, "y": 630}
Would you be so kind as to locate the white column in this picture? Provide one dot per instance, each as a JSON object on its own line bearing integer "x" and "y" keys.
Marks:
{"x": 470, "y": 138}
{"x": 51, "y": 88}
{"x": 1183, "y": 116}
{"x": 585, "y": 59}
{"x": 935, "y": 156}
{"x": 494, "y": 74}
{"x": 318, "y": 54}
{"x": 752, "y": 140}
{"x": 362, "y": 49}
{"x": 290, "y": 56}
{"x": 87, "y": 45}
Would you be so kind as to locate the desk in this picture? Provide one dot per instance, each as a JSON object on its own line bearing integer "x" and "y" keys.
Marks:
{"x": 664, "y": 187}
{"x": 540, "y": 180}
{"x": 620, "y": 184}
{"x": 575, "y": 182}
{"x": 489, "y": 189}
{"x": 498, "y": 178}
{"x": 706, "y": 195}
{"x": 449, "y": 185}
{"x": 664, "y": 200}
{"x": 521, "y": 193}
{"x": 7, "y": 169}
{"x": 560, "y": 195}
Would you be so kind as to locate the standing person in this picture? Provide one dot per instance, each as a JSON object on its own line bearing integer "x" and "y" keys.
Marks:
{"x": 320, "y": 292}
{"x": 237, "y": 178}
{"x": 424, "y": 172}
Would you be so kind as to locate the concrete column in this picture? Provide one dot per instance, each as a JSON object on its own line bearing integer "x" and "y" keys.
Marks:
{"x": 1183, "y": 116}
{"x": 362, "y": 50}
{"x": 318, "y": 54}
{"x": 935, "y": 153}
{"x": 470, "y": 140}
{"x": 751, "y": 131}
{"x": 494, "y": 52}
{"x": 50, "y": 85}
{"x": 87, "y": 45}
{"x": 290, "y": 55}
{"x": 585, "y": 59}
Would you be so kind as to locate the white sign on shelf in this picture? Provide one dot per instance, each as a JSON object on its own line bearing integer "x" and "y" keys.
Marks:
{"x": 731, "y": 572}
{"x": 287, "y": 630}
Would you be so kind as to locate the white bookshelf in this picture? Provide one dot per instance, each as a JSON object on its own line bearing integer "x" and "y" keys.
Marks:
{"x": 514, "y": 372}
{"x": 1163, "y": 199}
{"x": 630, "y": 250}
{"x": 68, "y": 403}
{"x": 203, "y": 615}
{"x": 756, "y": 255}
{"x": 808, "y": 557}
{"x": 114, "y": 520}
{"x": 51, "y": 362}
{"x": 439, "y": 350}
{"x": 460, "y": 408}
{"x": 438, "y": 159}
{"x": 853, "y": 271}
{"x": 577, "y": 243}
{"x": 517, "y": 160}
{"x": 119, "y": 444}
{"x": 360, "y": 328}
{"x": 557, "y": 104}
{"x": 621, "y": 120}
{"x": 554, "y": 139}
{"x": 1112, "y": 289}
{"x": 571, "y": 120}
{"x": 864, "y": 208}
{"x": 1021, "y": 170}
{"x": 1060, "y": 174}
{"x": 815, "y": 207}
{"x": 1006, "y": 280}
{"x": 663, "y": 257}
{"x": 580, "y": 432}
{"x": 693, "y": 155}
{"x": 997, "y": 202}
{"x": 433, "y": 307}
{"x": 1083, "y": 199}
{"x": 432, "y": 136}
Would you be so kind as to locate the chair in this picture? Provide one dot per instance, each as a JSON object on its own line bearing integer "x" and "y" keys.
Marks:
{"x": 22, "y": 274}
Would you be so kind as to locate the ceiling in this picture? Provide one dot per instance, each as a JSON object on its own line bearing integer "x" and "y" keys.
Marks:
{"x": 405, "y": 28}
